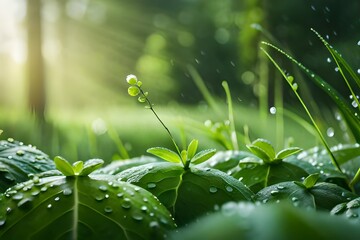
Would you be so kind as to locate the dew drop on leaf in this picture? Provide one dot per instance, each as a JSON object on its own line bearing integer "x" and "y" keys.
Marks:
{"x": 272, "y": 110}
{"x": 18, "y": 196}
{"x": 137, "y": 217}
{"x": 213, "y": 190}
{"x": 154, "y": 224}
{"x": 67, "y": 192}
{"x": 2, "y": 222}
{"x": 120, "y": 195}
{"x": 20, "y": 153}
{"x": 57, "y": 199}
{"x": 229, "y": 189}
{"x": 274, "y": 192}
{"x": 151, "y": 185}
{"x": 108, "y": 209}
{"x": 330, "y": 132}
{"x": 280, "y": 187}
{"x": 144, "y": 208}
{"x": 49, "y": 206}
{"x": 103, "y": 188}
{"x": 126, "y": 203}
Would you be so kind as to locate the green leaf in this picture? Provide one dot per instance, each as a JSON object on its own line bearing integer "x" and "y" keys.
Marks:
{"x": 322, "y": 196}
{"x": 259, "y": 152}
{"x": 277, "y": 221}
{"x": 18, "y": 161}
{"x": 166, "y": 154}
{"x": 60, "y": 207}
{"x": 202, "y": 156}
{"x": 266, "y": 146}
{"x": 311, "y": 180}
{"x": 90, "y": 166}
{"x": 78, "y": 167}
{"x": 177, "y": 189}
{"x": 184, "y": 156}
{"x": 350, "y": 210}
{"x": 288, "y": 152}
{"x": 192, "y": 148}
{"x": 64, "y": 166}
{"x": 259, "y": 176}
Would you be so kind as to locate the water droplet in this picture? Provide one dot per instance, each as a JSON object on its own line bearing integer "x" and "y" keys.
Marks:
{"x": 67, "y": 192}
{"x": 151, "y": 185}
{"x": 328, "y": 60}
{"x": 144, "y": 208}
{"x": 273, "y": 110}
{"x": 330, "y": 132}
{"x": 229, "y": 189}
{"x": 43, "y": 189}
{"x": 354, "y": 104}
{"x": 2, "y": 222}
{"x": 57, "y": 199}
{"x": 294, "y": 199}
{"x": 137, "y": 216}
{"x": 120, "y": 195}
{"x": 35, "y": 193}
{"x": 358, "y": 71}
{"x": 10, "y": 140}
{"x": 213, "y": 189}
{"x": 103, "y": 188}
{"x": 18, "y": 196}
{"x": 145, "y": 199}
{"x": 294, "y": 86}
{"x": 49, "y": 206}
{"x": 274, "y": 192}
{"x": 358, "y": 43}
{"x": 280, "y": 187}
{"x": 24, "y": 203}
{"x": 350, "y": 214}
{"x": 99, "y": 198}
{"x": 353, "y": 204}
{"x": 108, "y": 209}
{"x": 126, "y": 203}
{"x": 8, "y": 210}
{"x": 20, "y": 153}
{"x": 152, "y": 224}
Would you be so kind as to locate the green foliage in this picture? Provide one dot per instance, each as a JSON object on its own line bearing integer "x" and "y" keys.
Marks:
{"x": 178, "y": 188}
{"x": 17, "y": 161}
{"x": 77, "y": 206}
{"x": 350, "y": 210}
{"x": 273, "y": 221}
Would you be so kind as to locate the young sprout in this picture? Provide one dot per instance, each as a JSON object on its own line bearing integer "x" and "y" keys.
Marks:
{"x": 185, "y": 156}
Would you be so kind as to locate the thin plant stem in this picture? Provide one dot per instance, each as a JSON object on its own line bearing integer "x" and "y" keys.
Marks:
{"x": 150, "y": 106}
{"x": 233, "y": 136}
{"x": 333, "y": 159}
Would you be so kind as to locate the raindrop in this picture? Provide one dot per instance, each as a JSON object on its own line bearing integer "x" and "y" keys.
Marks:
{"x": 330, "y": 132}
{"x": 328, "y": 60}
{"x": 11, "y": 140}
{"x": 103, "y": 188}
{"x": 274, "y": 192}
{"x": 126, "y": 203}
{"x": 229, "y": 189}
{"x": 273, "y": 110}
{"x": 144, "y": 208}
{"x": 99, "y": 198}
{"x": 57, "y": 199}
{"x": 354, "y": 104}
{"x": 8, "y": 210}
{"x": 358, "y": 71}
{"x": 152, "y": 224}
{"x": 358, "y": 43}
{"x": 43, "y": 189}
{"x": 2, "y": 222}
{"x": 353, "y": 204}
{"x": 280, "y": 187}
{"x": 35, "y": 193}
{"x": 49, "y": 206}
{"x": 18, "y": 196}
{"x": 108, "y": 209}
{"x": 151, "y": 185}
{"x": 20, "y": 153}
{"x": 67, "y": 192}
{"x": 313, "y": 8}
{"x": 213, "y": 189}
{"x": 24, "y": 203}
{"x": 294, "y": 199}
{"x": 137, "y": 216}
{"x": 120, "y": 195}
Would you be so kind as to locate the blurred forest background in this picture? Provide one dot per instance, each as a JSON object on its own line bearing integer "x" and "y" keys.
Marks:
{"x": 63, "y": 65}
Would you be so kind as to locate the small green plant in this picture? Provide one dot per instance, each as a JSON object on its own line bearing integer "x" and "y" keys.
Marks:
{"x": 185, "y": 156}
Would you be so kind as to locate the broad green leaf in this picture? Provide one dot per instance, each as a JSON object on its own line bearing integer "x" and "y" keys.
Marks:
{"x": 202, "y": 156}
{"x": 117, "y": 166}
{"x": 192, "y": 148}
{"x": 166, "y": 154}
{"x": 350, "y": 210}
{"x": 90, "y": 166}
{"x": 228, "y": 161}
{"x": 17, "y": 161}
{"x": 311, "y": 180}
{"x": 288, "y": 152}
{"x": 64, "y": 166}
{"x": 259, "y": 152}
{"x": 322, "y": 196}
{"x": 59, "y": 207}
{"x": 177, "y": 189}
{"x": 266, "y": 146}
{"x": 277, "y": 221}
{"x": 258, "y": 176}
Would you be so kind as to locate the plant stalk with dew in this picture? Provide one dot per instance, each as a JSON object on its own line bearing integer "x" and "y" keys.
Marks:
{"x": 135, "y": 90}
{"x": 294, "y": 87}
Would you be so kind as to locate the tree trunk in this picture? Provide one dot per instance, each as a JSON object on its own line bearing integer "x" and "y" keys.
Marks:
{"x": 35, "y": 78}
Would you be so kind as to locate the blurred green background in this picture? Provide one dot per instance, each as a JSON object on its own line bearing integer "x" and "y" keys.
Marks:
{"x": 64, "y": 63}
